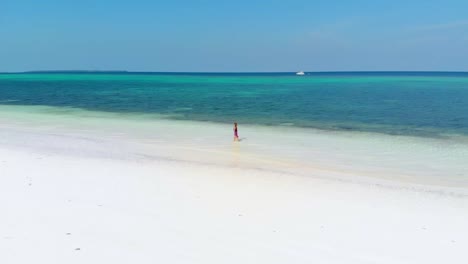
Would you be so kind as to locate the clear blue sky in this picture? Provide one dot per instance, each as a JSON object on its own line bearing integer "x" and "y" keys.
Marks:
{"x": 241, "y": 35}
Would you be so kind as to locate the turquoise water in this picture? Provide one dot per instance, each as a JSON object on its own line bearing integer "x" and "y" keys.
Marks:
{"x": 407, "y": 103}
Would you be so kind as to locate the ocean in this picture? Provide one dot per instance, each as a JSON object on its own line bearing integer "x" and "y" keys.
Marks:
{"x": 426, "y": 104}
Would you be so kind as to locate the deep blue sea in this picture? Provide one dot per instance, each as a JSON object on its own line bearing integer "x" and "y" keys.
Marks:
{"x": 404, "y": 103}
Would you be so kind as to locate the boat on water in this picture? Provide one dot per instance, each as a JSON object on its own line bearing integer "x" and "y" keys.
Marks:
{"x": 300, "y": 73}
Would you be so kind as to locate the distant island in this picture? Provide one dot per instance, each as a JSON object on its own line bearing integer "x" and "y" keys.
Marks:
{"x": 75, "y": 71}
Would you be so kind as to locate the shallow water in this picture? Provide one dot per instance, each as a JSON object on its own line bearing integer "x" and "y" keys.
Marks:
{"x": 287, "y": 149}
{"x": 418, "y": 104}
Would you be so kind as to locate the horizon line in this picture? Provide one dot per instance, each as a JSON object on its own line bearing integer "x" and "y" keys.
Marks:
{"x": 232, "y": 72}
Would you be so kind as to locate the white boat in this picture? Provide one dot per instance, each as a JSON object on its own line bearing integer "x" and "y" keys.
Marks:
{"x": 300, "y": 73}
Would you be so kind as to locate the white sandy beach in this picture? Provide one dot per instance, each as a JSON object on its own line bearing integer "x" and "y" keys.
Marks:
{"x": 98, "y": 188}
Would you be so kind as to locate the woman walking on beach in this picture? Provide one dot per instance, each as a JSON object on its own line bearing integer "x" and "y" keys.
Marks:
{"x": 236, "y": 136}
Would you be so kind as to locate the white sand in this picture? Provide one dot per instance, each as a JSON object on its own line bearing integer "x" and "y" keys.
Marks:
{"x": 178, "y": 192}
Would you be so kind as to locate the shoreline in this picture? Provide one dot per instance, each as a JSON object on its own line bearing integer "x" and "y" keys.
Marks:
{"x": 399, "y": 159}
{"x": 64, "y": 112}
{"x": 370, "y": 129}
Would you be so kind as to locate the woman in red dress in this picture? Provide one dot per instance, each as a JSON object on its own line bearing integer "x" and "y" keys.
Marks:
{"x": 236, "y": 136}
